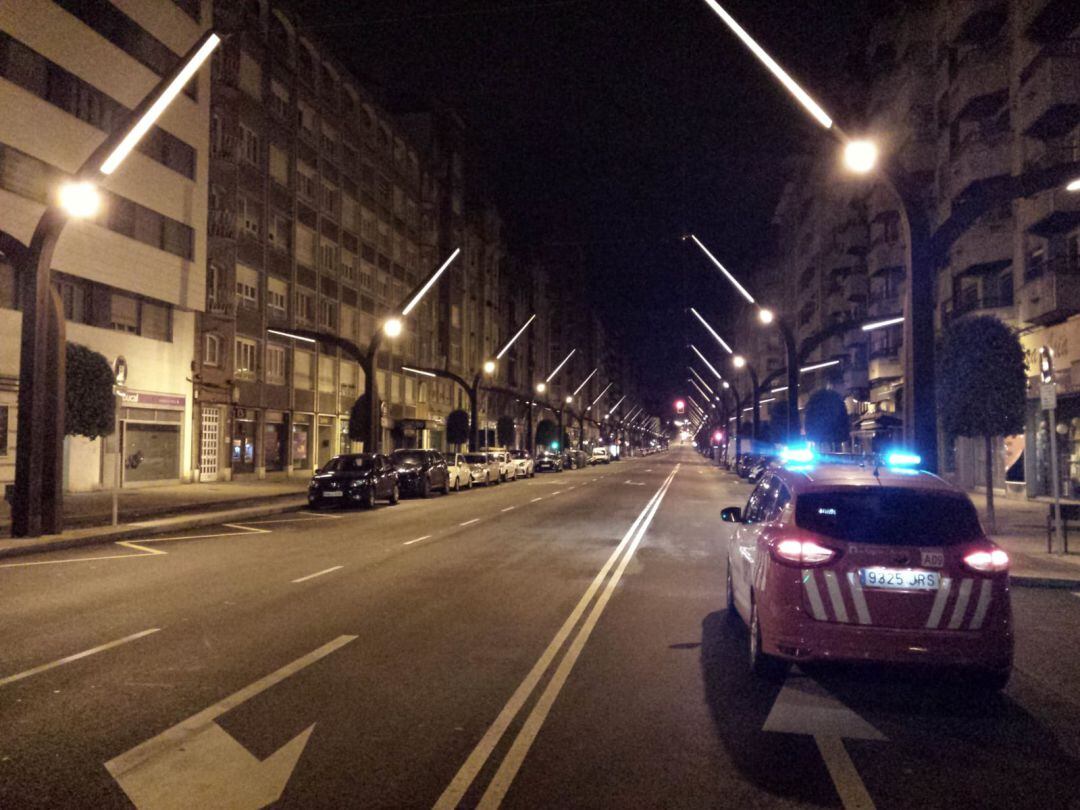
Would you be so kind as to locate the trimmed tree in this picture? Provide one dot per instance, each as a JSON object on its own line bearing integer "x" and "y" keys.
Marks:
{"x": 981, "y": 383}
{"x": 826, "y": 420}
{"x": 457, "y": 427}
{"x": 506, "y": 430}
{"x": 546, "y": 433}
{"x": 90, "y": 405}
{"x": 358, "y": 420}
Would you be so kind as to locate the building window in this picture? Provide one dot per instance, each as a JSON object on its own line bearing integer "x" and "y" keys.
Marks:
{"x": 124, "y": 313}
{"x": 249, "y": 217}
{"x": 277, "y": 294}
{"x": 275, "y": 364}
{"x": 302, "y": 369}
{"x": 329, "y": 140}
{"x": 327, "y": 314}
{"x": 246, "y": 357}
{"x": 247, "y": 285}
{"x": 305, "y": 306}
{"x": 249, "y": 145}
{"x": 305, "y": 181}
{"x": 250, "y": 76}
{"x": 327, "y": 255}
{"x": 329, "y": 197}
{"x": 279, "y": 231}
{"x": 305, "y": 246}
{"x": 212, "y": 350}
{"x": 279, "y": 100}
{"x": 279, "y": 165}
{"x": 306, "y": 120}
{"x": 348, "y": 267}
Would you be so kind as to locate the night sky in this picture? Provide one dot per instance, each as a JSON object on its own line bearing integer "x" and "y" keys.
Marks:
{"x": 618, "y": 125}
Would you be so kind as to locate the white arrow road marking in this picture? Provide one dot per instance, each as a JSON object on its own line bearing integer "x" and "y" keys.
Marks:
{"x": 68, "y": 659}
{"x": 196, "y": 763}
{"x": 805, "y": 707}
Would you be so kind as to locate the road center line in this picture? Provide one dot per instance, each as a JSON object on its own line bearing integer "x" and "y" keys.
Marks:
{"x": 514, "y": 758}
{"x": 476, "y": 760}
{"x": 507, "y": 509}
{"x": 556, "y": 492}
{"x": 417, "y": 540}
{"x": 534, "y": 500}
{"x": 853, "y": 793}
{"x": 318, "y": 573}
{"x": 470, "y": 522}
{"x": 68, "y": 659}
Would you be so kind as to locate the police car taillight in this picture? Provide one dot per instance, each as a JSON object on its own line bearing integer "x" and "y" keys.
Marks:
{"x": 803, "y": 553}
{"x": 986, "y": 561}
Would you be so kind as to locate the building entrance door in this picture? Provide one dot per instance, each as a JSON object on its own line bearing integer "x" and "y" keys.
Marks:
{"x": 209, "y": 444}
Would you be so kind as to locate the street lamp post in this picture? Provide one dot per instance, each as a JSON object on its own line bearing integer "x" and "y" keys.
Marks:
{"x": 542, "y": 388}
{"x": 581, "y": 414}
{"x": 38, "y": 502}
{"x": 739, "y": 362}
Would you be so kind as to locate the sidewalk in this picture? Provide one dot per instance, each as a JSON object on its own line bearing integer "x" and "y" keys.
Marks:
{"x": 1021, "y": 531}
{"x": 157, "y": 510}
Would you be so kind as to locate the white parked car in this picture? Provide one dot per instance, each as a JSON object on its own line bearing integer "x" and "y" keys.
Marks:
{"x": 484, "y": 467}
{"x": 600, "y": 455}
{"x": 460, "y": 472}
{"x": 507, "y": 467}
{"x": 526, "y": 467}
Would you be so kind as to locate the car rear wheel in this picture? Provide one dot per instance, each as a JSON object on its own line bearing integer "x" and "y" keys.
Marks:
{"x": 457, "y": 484}
{"x": 763, "y": 665}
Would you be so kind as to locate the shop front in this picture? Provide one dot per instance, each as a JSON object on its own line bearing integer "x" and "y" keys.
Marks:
{"x": 302, "y": 441}
{"x": 276, "y": 441}
{"x": 151, "y": 438}
{"x": 244, "y": 436}
{"x": 1062, "y": 338}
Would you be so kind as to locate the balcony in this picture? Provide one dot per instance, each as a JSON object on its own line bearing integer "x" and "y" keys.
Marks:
{"x": 220, "y": 302}
{"x": 974, "y": 21}
{"x": 1052, "y": 295}
{"x": 1050, "y": 213}
{"x": 981, "y": 87}
{"x": 984, "y": 248}
{"x": 999, "y": 304}
{"x": 1049, "y": 98}
{"x": 977, "y": 161}
{"x": 857, "y": 287}
{"x": 885, "y": 364}
{"x": 221, "y": 224}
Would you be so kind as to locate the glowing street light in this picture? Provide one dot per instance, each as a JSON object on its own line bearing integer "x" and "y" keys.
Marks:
{"x": 724, "y": 270}
{"x": 860, "y": 156}
{"x": 738, "y": 361}
{"x": 541, "y": 387}
{"x": 392, "y": 327}
{"x": 489, "y": 366}
{"x": 1073, "y": 185}
{"x": 766, "y": 316}
{"x": 80, "y": 199}
{"x": 870, "y": 327}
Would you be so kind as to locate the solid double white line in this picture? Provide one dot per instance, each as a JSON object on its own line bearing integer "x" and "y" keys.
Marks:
{"x": 511, "y": 763}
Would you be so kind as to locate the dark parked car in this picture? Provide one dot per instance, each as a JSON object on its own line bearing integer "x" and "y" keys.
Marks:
{"x": 357, "y": 478}
{"x": 549, "y": 460}
{"x": 421, "y": 472}
{"x": 574, "y": 459}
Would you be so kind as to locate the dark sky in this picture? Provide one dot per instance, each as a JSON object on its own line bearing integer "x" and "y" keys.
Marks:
{"x": 617, "y": 124}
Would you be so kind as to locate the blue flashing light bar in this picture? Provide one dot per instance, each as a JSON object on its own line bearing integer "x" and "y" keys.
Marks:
{"x": 899, "y": 458}
{"x": 798, "y": 455}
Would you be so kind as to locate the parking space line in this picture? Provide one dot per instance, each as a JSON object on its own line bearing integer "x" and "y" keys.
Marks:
{"x": 417, "y": 540}
{"x": 318, "y": 573}
{"x": 469, "y": 522}
{"x": 68, "y": 659}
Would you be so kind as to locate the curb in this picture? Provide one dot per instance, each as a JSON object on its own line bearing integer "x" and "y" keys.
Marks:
{"x": 18, "y": 547}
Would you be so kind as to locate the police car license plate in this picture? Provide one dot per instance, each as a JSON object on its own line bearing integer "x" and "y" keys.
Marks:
{"x": 899, "y": 579}
{"x": 333, "y": 494}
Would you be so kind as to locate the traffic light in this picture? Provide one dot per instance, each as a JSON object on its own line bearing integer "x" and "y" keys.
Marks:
{"x": 1046, "y": 364}
{"x": 680, "y": 406}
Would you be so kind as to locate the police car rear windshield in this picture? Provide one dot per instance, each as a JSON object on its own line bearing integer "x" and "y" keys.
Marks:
{"x": 888, "y": 516}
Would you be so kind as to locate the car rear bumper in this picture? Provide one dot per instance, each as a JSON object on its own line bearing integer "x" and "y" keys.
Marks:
{"x": 804, "y": 639}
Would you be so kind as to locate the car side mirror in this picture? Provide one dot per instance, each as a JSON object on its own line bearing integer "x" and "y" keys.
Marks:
{"x": 731, "y": 514}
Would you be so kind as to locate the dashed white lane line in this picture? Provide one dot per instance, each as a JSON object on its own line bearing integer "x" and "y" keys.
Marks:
{"x": 417, "y": 540}
{"x": 319, "y": 573}
{"x": 556, "y": 492}
{"x": 470, "y": 522}
{"x": 534, "y": 500}
{"x": 507, "y": 509}
{"x": 68, "y": 659}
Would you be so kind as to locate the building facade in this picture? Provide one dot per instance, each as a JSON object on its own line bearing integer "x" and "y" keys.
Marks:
{"x": 131, "y": 278}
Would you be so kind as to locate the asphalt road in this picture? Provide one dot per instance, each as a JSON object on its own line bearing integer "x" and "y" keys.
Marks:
{"x": 557, "y": 642}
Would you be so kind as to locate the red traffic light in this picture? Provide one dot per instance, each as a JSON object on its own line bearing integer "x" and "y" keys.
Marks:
{"x": 680, "y": 406}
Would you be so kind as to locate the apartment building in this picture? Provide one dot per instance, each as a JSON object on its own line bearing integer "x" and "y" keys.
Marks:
{"x": 967, "y": 98}
{"x": 131, "y": 278}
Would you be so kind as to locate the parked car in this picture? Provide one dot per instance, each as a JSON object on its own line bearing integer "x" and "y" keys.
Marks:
{"x": 600, "y": 455}
{"x": 421, "y": 472}
{"x": 549, "y": 460}
{"x": 484, "y": 467}
{"x": 526, "y": 466}
{"x": 867, "y": 563}
{"x": 507, "y": 467}
{"x": 574, "y": 459}
{"x": 355, "y": 478}
{"x": 460, "y": 472}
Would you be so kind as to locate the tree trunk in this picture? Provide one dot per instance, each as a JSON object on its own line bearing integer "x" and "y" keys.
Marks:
{"x": 991, "y": 526}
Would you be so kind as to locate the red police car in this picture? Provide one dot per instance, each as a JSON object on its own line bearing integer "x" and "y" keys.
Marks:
{"x": 870, "y": 561}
